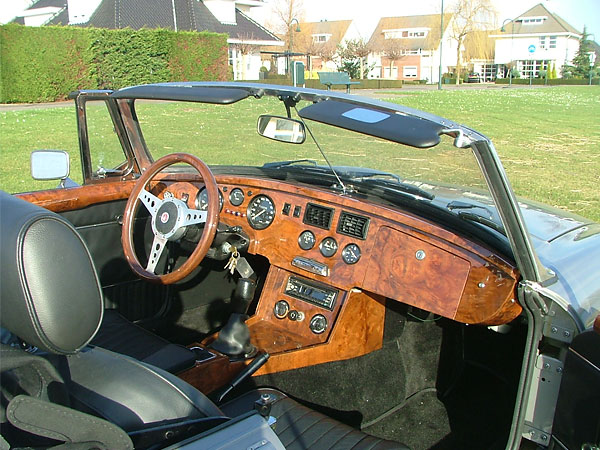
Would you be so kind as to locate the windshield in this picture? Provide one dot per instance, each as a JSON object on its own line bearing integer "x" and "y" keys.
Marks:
{"x": 227, "y": 135}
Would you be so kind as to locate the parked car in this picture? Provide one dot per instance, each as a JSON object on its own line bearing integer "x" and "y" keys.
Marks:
{"x": 256, "y": 266}
{"x": 474, "y": 78}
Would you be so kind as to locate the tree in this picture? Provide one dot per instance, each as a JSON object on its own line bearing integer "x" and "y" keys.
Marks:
{"x": 353, "y": 53}
{"x": 581, "y": 63}
{"x": 286, "y": 12}
{"x": 394, "y": 49}
{"x": 469, "y": 16}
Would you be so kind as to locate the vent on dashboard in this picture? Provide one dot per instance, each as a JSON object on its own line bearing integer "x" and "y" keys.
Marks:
{"x": 353, "y": 225}
{"x": 318, "y": 216}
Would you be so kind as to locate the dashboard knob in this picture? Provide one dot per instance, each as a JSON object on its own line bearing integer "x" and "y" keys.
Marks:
{"x": 281, "y": 309}
{"x": 318, "y": 324}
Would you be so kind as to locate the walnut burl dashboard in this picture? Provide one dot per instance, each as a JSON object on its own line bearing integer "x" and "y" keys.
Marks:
{"x": 334, "y": 260}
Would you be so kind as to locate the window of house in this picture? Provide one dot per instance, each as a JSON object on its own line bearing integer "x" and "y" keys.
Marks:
{"x": 409, "y": 71}
{"x": 533, "y": 20}
{"x": 552, "y": 42}
{"x": 397, "y": 34}
{"x": 320, "y": 38}
{"x": 543, "y": 42}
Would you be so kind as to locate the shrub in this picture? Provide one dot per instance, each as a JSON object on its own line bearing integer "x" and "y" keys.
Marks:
{"x": 46, "y": 63}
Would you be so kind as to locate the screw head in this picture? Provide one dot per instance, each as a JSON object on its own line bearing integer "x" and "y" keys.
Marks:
{"x": 566, "y": 334}
{"x": 481, "y": 285}
{"x": 554, "y": 329}
{"x": 420, "y": 255}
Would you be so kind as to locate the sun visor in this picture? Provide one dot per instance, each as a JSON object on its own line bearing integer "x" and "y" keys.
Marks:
{"x": 201, "y": 94}
{"x": 383, "y": 124}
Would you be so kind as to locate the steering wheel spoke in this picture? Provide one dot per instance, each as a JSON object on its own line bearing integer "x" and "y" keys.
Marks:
{"x": 158, "y": 245}
{"x": 193, "y": 217}
{"x": 150, "y": 201}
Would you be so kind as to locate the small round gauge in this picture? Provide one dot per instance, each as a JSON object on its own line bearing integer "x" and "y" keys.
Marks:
{"x": 351, "y": 254}
{"x": 306, "y": 240}
{"x": 202, "y": 200}
{"x": 328, "y": 247}
{"x": 236, "y": 197}
{"x": 261, "y": 212}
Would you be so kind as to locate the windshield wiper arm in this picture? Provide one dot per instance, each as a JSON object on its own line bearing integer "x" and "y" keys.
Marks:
{"x": 482, "y": 220}
{"x": 278, "y": 164}
{"x": 393, "y": 186}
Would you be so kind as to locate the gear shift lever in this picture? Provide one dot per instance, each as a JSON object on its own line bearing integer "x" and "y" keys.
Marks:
{"x": 234, "y": 337}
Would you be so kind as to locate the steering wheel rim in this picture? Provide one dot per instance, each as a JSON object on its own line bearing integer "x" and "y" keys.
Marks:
{"x": 184, "y": 217}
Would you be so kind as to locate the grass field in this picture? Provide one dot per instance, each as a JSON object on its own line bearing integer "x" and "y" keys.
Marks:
{"x": 547, "y": 138}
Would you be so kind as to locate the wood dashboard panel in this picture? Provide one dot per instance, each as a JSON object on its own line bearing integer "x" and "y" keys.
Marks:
{"x": 458, "y": 279}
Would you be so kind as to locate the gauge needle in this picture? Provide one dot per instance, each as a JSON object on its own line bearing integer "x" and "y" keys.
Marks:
{"x": 258, "y": 214}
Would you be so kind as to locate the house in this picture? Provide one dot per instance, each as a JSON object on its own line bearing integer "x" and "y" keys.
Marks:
{"x": 319, "y": 42}
{"x": 536, "y": 40}
{"x": 408, "y": 48}
{"x": 221, "y": 16}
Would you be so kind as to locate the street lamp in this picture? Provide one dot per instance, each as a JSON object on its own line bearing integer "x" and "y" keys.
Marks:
{"x": 291, "y": 42}
{"x": 591, "y": 69}
{"x": 441, "y": 45}
{"x": 512, "y": 36}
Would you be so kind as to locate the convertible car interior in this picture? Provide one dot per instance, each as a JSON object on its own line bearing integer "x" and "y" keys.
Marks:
{"x": 222, "y": 296}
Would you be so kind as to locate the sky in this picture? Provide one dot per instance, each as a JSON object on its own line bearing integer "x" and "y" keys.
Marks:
{"x": 366, "y": 13}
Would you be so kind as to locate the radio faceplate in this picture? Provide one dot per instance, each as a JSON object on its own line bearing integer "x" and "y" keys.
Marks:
{"x": 311, "y": 292}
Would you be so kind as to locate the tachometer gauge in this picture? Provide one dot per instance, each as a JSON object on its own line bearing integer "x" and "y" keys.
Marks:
{"x": 202, "y": 200}
{"x": 236, "y": 197}
{"x": 261, "y": 212}
{"x": 351, "y": 254}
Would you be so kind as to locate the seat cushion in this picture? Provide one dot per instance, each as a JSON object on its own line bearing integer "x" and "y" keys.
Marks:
{"x": 299, "y": 427}
{"x": 119, "y": 335}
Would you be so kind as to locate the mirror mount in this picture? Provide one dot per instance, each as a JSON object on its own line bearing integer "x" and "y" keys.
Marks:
{"x": 282, "y": 129}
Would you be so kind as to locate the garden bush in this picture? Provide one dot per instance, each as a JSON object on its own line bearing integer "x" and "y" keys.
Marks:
{"x": 46, "y": 63}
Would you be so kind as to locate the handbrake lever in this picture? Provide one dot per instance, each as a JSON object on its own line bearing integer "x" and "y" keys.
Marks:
{"x": 256, "y": 364}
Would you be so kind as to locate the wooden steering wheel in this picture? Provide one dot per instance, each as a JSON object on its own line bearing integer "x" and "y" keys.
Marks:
{"x": 170, "y": 218}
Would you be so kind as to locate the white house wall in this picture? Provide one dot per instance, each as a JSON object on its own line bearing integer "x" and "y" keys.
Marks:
{"x": 517, "y": 49}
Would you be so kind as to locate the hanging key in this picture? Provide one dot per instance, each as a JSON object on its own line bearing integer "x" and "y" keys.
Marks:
{"x": 233, "y": 260}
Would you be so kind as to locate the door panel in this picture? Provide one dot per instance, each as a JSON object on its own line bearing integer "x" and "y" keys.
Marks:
{"x": 577, "y": 418}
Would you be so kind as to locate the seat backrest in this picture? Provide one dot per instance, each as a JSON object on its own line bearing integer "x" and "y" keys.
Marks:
{"x": 50, "y": 295}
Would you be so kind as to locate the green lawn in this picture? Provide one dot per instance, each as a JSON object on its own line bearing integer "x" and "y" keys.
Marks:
{"x": 548, "y": 139}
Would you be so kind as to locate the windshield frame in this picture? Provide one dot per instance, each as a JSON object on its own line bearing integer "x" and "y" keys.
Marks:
{"x": 489, "y": 163}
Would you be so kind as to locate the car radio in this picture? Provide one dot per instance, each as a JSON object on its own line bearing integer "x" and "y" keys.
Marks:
{"x": 311, "y": 292}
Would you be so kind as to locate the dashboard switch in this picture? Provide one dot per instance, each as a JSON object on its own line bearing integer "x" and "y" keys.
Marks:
{"x": 281, "y": 309}
{"x": 297, "y": 316}
{"x": 318, "y": 324}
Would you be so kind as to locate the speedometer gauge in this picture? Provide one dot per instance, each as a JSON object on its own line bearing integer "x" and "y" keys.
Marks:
{"x": 261, "y": 212}
{"x": 202, "y": 200}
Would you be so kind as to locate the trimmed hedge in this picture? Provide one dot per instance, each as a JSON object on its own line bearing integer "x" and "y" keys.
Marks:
{"x": 550, "y": 81}
{"x": 46, "y": 63}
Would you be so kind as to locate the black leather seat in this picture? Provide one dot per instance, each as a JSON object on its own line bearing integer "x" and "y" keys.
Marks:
{"x": 51, "y": 298}
{"x": 119, "y": 335}
{"x": 299, "y": 427}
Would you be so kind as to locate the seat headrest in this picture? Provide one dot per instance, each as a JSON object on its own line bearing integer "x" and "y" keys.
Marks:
{"x": 50, "y": 295}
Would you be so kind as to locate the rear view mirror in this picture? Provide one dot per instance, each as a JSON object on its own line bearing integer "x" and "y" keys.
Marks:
{"x": 281, "y": 129}
{"x": 51, "y": 165}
